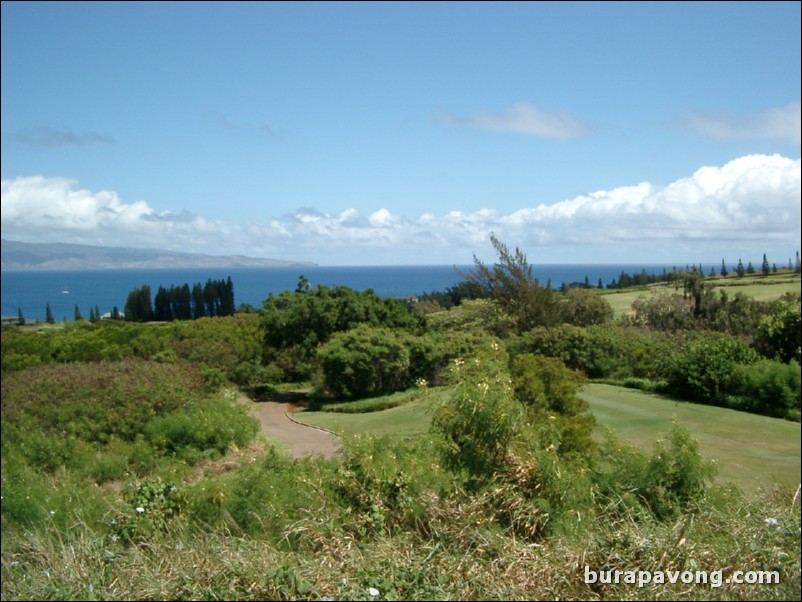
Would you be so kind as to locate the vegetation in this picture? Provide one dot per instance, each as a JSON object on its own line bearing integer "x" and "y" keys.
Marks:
{"x": 130, "y": 469}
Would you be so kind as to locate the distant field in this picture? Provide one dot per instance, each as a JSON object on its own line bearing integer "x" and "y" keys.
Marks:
{"x": 762, "y": 288}
{"x": 751, "y": 450}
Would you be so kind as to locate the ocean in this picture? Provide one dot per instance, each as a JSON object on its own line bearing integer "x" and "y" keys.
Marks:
{"x": 29, "y": 291}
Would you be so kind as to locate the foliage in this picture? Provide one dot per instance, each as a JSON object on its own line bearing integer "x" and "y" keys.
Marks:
{"x": 473, "y": 315}
{"x": 703, "y": 369}
{"x": 767, "y": 387}
{"x": 294, "y": 324}
{"x": 95, "y": 401}
{"x": 584, "y": 307}
{"x": 213, "y": 424}
{"x": 779, "y": 333}
{"x": 549, "y": 391}
{"x": 363, "y": 362}
{"x": 600, "y": 352}
{"x": 481, "y": 418}
{"x": 511, "y": 284}
{"x": 666, "y": 483}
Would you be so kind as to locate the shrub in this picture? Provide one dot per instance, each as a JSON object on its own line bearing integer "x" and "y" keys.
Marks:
{"x": 96, "y": 401}
{"x": 703, "y": 370}
{"x": 767, "y": 387}
{"x": 363, "y": 362}
{"x": 481, "y": 418}
{"x": 212, "y": 424}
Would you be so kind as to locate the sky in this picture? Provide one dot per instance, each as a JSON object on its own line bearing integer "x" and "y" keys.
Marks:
{"x": 400, "y": 133}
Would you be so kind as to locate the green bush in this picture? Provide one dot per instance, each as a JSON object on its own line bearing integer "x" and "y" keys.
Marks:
{"x": 363, "y": 362}
{"x": 703, "y": 369}
{"x": 767, "y": 387}
{"x": 212, "y": 424}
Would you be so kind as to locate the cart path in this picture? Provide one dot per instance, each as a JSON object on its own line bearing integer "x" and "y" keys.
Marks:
{"x": 302, "y": 440}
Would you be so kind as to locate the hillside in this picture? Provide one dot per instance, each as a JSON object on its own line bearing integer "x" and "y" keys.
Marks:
{"x": 64, "y": 256}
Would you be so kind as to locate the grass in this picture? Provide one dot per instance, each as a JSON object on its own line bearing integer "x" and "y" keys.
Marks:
{"x": 761, "y": 288}
{"x": 751, "y": 451}
{"x": 405, "y": 419}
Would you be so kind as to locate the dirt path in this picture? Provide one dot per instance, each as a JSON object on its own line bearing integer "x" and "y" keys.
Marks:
{"x": 302, "y": 440}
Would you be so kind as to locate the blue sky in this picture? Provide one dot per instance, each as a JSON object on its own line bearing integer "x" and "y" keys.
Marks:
{"x": 406, "y": 133}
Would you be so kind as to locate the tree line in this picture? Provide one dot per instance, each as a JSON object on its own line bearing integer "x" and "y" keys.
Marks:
{"x": 215, "y": 298}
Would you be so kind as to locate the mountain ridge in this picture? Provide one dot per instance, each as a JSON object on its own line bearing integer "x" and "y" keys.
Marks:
{"x": 15, "y": 255}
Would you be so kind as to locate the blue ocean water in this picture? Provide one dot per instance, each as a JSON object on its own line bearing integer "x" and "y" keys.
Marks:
{"x": 29, "y": 291}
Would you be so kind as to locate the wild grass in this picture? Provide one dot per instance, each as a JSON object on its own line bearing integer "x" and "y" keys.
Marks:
{"x": 386, "y": 521}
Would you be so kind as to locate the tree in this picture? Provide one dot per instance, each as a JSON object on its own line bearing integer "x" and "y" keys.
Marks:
{"x": 740, "y": 269}
{"x": 723, "y": 271}
{"x": 362, "y": 362}
{"x": 296, "y": 323}
{"x": 583, "y": 307}
{"x": 78, "y": 316}
{"x": 765, "y": 268}
{"x": 779, "y": 334}
{"x": 49, "y": 314}
{"x": 20, "y": 317}
{"x": 511, "y": 284}
{"x": 138, "y": 306}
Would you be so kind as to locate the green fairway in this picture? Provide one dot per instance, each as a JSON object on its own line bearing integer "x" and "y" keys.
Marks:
{"x": 411, "y": 418}
{"x": 760, "y": 288}
{"x": 751, "y": 450}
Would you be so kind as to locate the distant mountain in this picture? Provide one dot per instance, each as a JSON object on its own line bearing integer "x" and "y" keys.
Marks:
{"x": 64, "y": 256}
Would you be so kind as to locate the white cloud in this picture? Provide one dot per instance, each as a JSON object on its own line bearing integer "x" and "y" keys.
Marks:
{"x": 524, "y": 118}
{"x": 750, "y": 202}
{"x": 783, "y": 123}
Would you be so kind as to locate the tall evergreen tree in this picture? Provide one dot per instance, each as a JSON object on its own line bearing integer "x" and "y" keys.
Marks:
{"x": 750, "y": 269}
{"x": 723, "y": 271}
{"x": 765, "y": 268}
{"x": 740, "y": 269}
{"x": 78, "y": 316}
{"x": 20, "y": 317}
{"x": 49, "y": 314}
{"x": 198, "y": 305}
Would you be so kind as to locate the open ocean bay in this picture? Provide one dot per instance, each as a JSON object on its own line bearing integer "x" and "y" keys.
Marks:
{"x": 30, "y": 291}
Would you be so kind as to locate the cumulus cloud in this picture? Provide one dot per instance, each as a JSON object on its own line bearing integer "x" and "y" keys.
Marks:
{"x": 52, "y": 137}
{"x": 752, "y": 201}
{"x": 523, "y": 118}
{"x": 783, "y": 123}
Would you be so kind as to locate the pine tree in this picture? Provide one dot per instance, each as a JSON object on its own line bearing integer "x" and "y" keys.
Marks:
{"x": 740, "y": 269}
{"x": 765, "y": 268}
{"x": 78, "y": 316}
{"x": 20, "y": 317}
{"x": 601, "y": 285}
{"x": 49, "y": 314}
{"x": 750, "y": 269}
{"x": 723, "y": 271}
